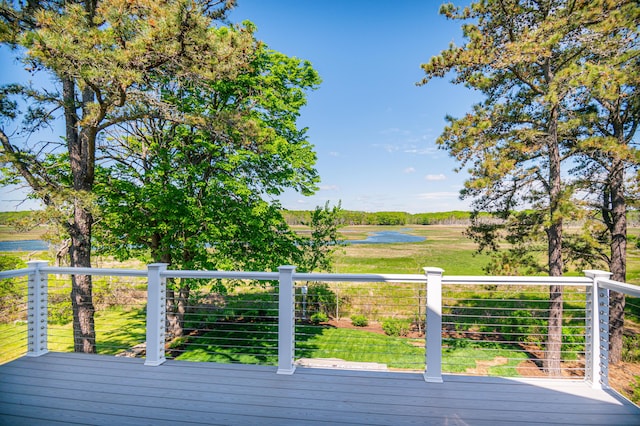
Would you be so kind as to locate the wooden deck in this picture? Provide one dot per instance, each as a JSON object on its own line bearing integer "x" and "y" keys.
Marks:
{"x": 91, "y": 389}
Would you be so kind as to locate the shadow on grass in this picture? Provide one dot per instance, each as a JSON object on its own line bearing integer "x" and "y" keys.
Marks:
{"x": 239, "y": 341}
{"x": 117, "y": 330}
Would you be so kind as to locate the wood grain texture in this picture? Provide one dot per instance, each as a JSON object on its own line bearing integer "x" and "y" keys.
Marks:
{"x": 103, "y": 390}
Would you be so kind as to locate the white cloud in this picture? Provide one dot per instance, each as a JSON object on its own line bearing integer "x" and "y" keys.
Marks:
{"x": 424, "y": 150}
{"x": 329, "y": 187}
{"x": 435, "y": 177}
{"x": 409, "y": 170}
{"x": 438, "y": 195}
{"x": 334, "y": 154}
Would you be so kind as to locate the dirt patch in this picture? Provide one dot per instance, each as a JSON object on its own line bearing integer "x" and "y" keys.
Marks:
{"x": 622, "y": 377}
{"x": 529, "y": 368}
{"x": 373, "y": 327}
{"x": 482, "y": 367}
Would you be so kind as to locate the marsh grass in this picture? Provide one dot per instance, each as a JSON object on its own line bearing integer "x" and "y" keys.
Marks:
{"x": 445, "y": 247}
{"x": 121, "y": 325}
{"x": 9, "y": 233}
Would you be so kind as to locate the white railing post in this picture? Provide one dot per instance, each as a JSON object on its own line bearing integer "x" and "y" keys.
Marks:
{"x": 597, "y": 332}
{"x": 286, "y": 320}
{"x": 433, "y": 326}
{"x": 37, "y": 295}
{"x": 156, "y": 318}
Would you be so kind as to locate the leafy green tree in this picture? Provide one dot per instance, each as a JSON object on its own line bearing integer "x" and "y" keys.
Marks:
{"x": 205, "y": 197}
{"x": 12, "y": 291}
{"x": 100, "y": 57}
{"x": 316, "y": 251}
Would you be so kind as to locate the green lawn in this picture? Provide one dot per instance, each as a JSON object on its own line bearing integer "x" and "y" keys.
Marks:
{"x": 358, "y": 345}
{"x": 351, "y": 345}
{"x": 462, "y": 356}
{"x": 116, "y": 331}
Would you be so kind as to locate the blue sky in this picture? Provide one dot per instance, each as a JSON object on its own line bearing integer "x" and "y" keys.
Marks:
{"x": 373, "y": 129}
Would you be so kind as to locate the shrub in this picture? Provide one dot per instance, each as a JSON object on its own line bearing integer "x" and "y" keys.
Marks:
{"x": 320, "y": 298}
{"x": 635, "y": 397}
{"x": 60, "y": 310}
{"x": 572, "y": 342}
{"x": 13, "y": 291}
{"x": 520, "y": 326}
{"x": 631, "y": 348}
{"x": 319, "y": 317}
{"x": 396, "y": 327}
{"x": 359, "y": 321}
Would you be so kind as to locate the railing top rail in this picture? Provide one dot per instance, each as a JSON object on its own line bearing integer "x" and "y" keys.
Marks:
{"x": 238, "y": 275}
{"x": 398, "y": 278}
{"x": 541, "y": 280}
{"x": 15, "y": 273}
{"x": 94, "y": 271}
{"x": 630, "y": 289}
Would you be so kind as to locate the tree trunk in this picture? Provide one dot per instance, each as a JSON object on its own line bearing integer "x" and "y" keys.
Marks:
{"x": 618, "y": 262}
{"x": 553, "y": 353}
{"x": 84, "y": 336}
{"x": 177, "y": 302}
{"x": 81, "y": 145}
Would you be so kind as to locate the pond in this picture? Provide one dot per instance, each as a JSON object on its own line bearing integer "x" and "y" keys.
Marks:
{"x": 388, "y": 237}
{"x": 384, "y": 237}
{"x": 25, "y": 245}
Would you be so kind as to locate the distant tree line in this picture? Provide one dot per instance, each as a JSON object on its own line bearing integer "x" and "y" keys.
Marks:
{"x": 353, "y": 217}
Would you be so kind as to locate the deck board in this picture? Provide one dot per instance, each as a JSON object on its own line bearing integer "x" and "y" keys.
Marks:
{"x": 103, "y": 390}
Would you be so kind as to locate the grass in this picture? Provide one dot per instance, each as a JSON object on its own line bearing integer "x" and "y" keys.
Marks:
{"x": 352, "y": 345}
{"x": 462, "y": 356}
{"x": 116, "y": 331}
{"x": 232, "y": 342}
{"x": 358, "y": 345}
{"x": 444, "y": 247}
{"x": 8, "y": 233}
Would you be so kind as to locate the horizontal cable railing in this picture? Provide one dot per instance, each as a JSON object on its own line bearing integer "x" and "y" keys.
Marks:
{"x": 222, "y": 320}
{"x": 13, "y": 316}
{"x": 376, "y": 324}
{"x": 491, "y": 329}
{"x": 457, "y": 324}
{"x": 119, "y": 301}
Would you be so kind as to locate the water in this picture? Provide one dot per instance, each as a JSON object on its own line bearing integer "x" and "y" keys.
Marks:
{"x": 384, "y": 237}
{"x": 387, "y": 237}
{"x": 26, "y": 245}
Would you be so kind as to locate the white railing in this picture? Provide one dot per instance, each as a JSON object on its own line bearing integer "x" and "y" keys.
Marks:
{"x": 424, "y": 295}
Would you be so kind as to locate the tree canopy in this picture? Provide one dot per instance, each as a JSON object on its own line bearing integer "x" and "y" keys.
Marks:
{"x": 555, "y": 103}
{"x": 169, "y": 113}
{"x": 203, "y": 197}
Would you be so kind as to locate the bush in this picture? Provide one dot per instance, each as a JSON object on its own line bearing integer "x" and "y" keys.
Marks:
{"x": 320, "y": 299}
{"x": 635, "y": 397}
{"x": 572, "y": 342}
{"x": 319, "y": 317}
{"x": 13, "y": 291}
{"x": 631, "y": 348}
{"x": 520, "y": 326}
{"x": 60, "y": 310}
{"x": 359, "y": 321}
{"x": 396, "y": 327}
